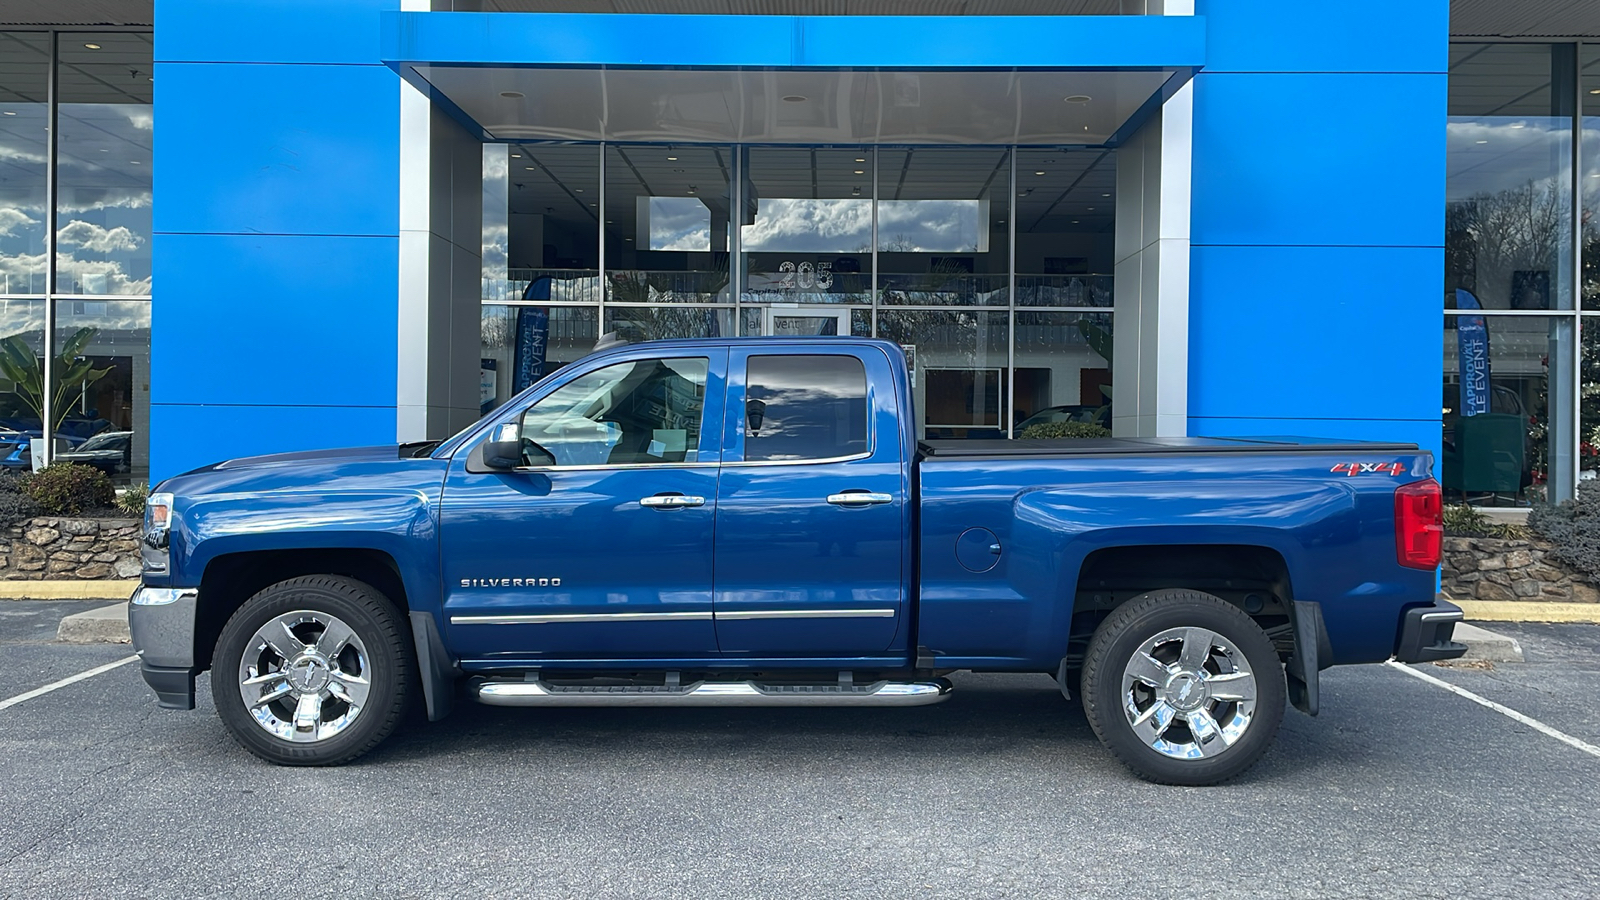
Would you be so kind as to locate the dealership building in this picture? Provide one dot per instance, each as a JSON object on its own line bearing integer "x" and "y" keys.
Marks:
{"x": 232, "y": 228}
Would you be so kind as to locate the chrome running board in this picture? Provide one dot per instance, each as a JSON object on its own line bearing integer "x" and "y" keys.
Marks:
{"x": 534, "y": 692}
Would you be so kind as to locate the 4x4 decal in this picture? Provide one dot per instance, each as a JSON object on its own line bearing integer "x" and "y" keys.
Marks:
{"x": 1361, "y": 468}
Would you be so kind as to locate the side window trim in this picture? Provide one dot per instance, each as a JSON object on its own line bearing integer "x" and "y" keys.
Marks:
{"x": 737, "y": 391}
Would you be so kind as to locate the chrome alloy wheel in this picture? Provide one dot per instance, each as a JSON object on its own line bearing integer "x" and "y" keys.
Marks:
{"x": 305, "y": 676}
{"x": 1189, "y": 693}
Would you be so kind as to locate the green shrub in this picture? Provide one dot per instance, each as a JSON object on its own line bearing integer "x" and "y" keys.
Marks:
{"x": 67, "y": 489}
{"x": 1574, "y": 528}
{"x": 15, "y": 503}
{"x": 1066, "y": 429}
{"x": 1466, "y": 521}
{"x": 131, "y": 500}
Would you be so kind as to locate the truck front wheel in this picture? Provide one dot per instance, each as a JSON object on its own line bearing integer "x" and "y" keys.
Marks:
{"x": 1183, "y": 688}
{"x": 313, "y": 671}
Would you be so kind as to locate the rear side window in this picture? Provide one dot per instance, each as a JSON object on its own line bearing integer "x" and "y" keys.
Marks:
{"x": 805, "y": 407}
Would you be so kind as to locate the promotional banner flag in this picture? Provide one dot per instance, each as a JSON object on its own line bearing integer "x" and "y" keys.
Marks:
{"x": 1472, "y": 348}
{"x": 533, "y": 330}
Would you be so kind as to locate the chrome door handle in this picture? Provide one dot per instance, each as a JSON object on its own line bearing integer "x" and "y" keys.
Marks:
{"x": 672, "y": 501}
{"x": 859, "y": 498}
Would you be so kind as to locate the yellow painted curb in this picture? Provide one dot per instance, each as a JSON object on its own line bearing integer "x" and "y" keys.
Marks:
{"x": 1516, "y": 611}
{"x": 67, "y": 590}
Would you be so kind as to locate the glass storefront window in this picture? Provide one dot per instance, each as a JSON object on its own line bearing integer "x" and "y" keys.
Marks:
{"x": 1497, "y": 408}
{"x": 1066, "y": 213}
{"x": 552, "y": 223}
{"x": 666, "y": 223}
{"x": 1589, "y": 178}
{"x": 105, "y": 385}
{"x": 1063, "y": 368}
{"x": 807, "y": 227}
{"x": 21, "y": 375}
{"x": 1508, "y": 215}
{"x": 659, "y": 323}
{"x": 521, "y": 344}
{"x": 958, "y": 365}
{"x": 103, "y": 163}
{"x": 942, "y": 237}
{"x": 24, "y": 76}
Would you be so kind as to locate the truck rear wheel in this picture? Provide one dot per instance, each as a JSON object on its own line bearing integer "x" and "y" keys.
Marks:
{"x": 1183, "y": 688}
{"x": 313, "y": 671}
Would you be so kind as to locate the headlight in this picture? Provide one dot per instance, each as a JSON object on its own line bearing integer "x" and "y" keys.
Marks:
{"x": 157, "y": 521}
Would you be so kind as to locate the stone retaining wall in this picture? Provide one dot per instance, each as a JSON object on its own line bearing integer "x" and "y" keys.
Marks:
{"x": 1507, "y": 569}
{"x": 52, "y": 547}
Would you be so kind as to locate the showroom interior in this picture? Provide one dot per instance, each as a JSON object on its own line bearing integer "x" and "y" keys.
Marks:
{"x": 1025, "y": 262}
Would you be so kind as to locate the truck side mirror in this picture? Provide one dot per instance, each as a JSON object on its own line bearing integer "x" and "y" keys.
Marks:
{"x": 754, "y": 412}
{"x": 502, "y": 454}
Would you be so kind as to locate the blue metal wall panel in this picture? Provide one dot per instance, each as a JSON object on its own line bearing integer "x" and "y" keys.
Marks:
{"x": 1315, "y": 332}
{"x": 917, "y": 42}
{"x": 1348, "y": 36}
{"x": 299, "y": 157}
{"x": 276, "y": 230}
{"x": 1317, "y": 221}
{"x": 1318, "y": 159}
{"x": 269, "y": 31}
{"x": 276, "y": 319}
{"x": 202, "y": 435}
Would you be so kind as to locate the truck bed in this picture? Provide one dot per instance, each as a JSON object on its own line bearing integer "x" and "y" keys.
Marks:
{"x": 1064, "y": 447}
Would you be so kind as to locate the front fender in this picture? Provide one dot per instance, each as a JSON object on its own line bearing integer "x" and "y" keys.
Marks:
{"x": 400, "y": 523}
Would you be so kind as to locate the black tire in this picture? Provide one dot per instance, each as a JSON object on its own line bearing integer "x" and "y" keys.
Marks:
{"x": 387, "y": 664}
{"x": 1109, "y": 687}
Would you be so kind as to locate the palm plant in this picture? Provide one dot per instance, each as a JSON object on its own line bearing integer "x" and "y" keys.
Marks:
{"x": 26, "y": 371}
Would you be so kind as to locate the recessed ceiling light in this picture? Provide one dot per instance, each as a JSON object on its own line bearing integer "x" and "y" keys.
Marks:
{"x": 516, "y": 156}
{"x": 672, "y": 159}
{"x": 861, "y": 172}
{"x": 1483, "y": 142}
{"x": 10, "y": 113}
{"x": 1090, "y": 208}
{"x": 794, "y": 98}
{"x": 133, "y": 162}
{"x": 1078, "y": 98}
{"x": 579, "y": 190}
{"x": 861, "y": 159}
{"x": 1074, "y": 221}
{"x": 1105, "y": 195}
{"x": 1595, "y": 92}
{"x": 594, "y": 204}
{"x": 512, "y": 95}
{"x": 609, "y": 222}
{"x": 528, "y": 168}
{"x": 92, "y": 46}
{"x": 1038, "y": 173}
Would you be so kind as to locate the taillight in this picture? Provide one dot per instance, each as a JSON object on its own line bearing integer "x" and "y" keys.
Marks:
{"x": 1418, "y": 529}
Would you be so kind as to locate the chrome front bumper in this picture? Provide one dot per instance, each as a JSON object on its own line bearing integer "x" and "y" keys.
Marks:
{"x": 161, "y": 622}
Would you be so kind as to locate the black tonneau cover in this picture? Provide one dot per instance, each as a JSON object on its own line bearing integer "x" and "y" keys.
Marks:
{"x": 1027, "y": 449}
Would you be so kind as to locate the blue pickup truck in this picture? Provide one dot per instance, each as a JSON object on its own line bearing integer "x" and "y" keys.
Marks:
{"x": 753, "y": 522}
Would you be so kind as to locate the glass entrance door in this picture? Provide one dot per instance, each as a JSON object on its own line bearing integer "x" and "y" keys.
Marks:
{"x": 804, "y": 321}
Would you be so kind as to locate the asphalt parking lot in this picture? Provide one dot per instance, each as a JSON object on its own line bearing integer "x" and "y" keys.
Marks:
{"x": 1399, "y": 788}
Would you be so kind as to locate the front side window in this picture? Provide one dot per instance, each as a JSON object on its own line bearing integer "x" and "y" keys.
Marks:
{"x": 805, "y": 407}
{"x": 643, "y": 411}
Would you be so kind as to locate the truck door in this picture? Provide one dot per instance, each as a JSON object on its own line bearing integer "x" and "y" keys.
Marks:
{"x": 599, "y": 545}
{"x": 811, "y": 509}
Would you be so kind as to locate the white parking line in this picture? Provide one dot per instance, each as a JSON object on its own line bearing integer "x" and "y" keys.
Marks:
{"x": 70, "y": 679}
{"x": 1506, "y": 711}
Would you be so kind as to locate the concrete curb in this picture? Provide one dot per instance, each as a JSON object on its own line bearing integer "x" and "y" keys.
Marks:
{"x": 1518, "y": 611}
{"x": 67, "y": 590}
{"x": 1486, "y": 645}
{"x": 103, "y": 625}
